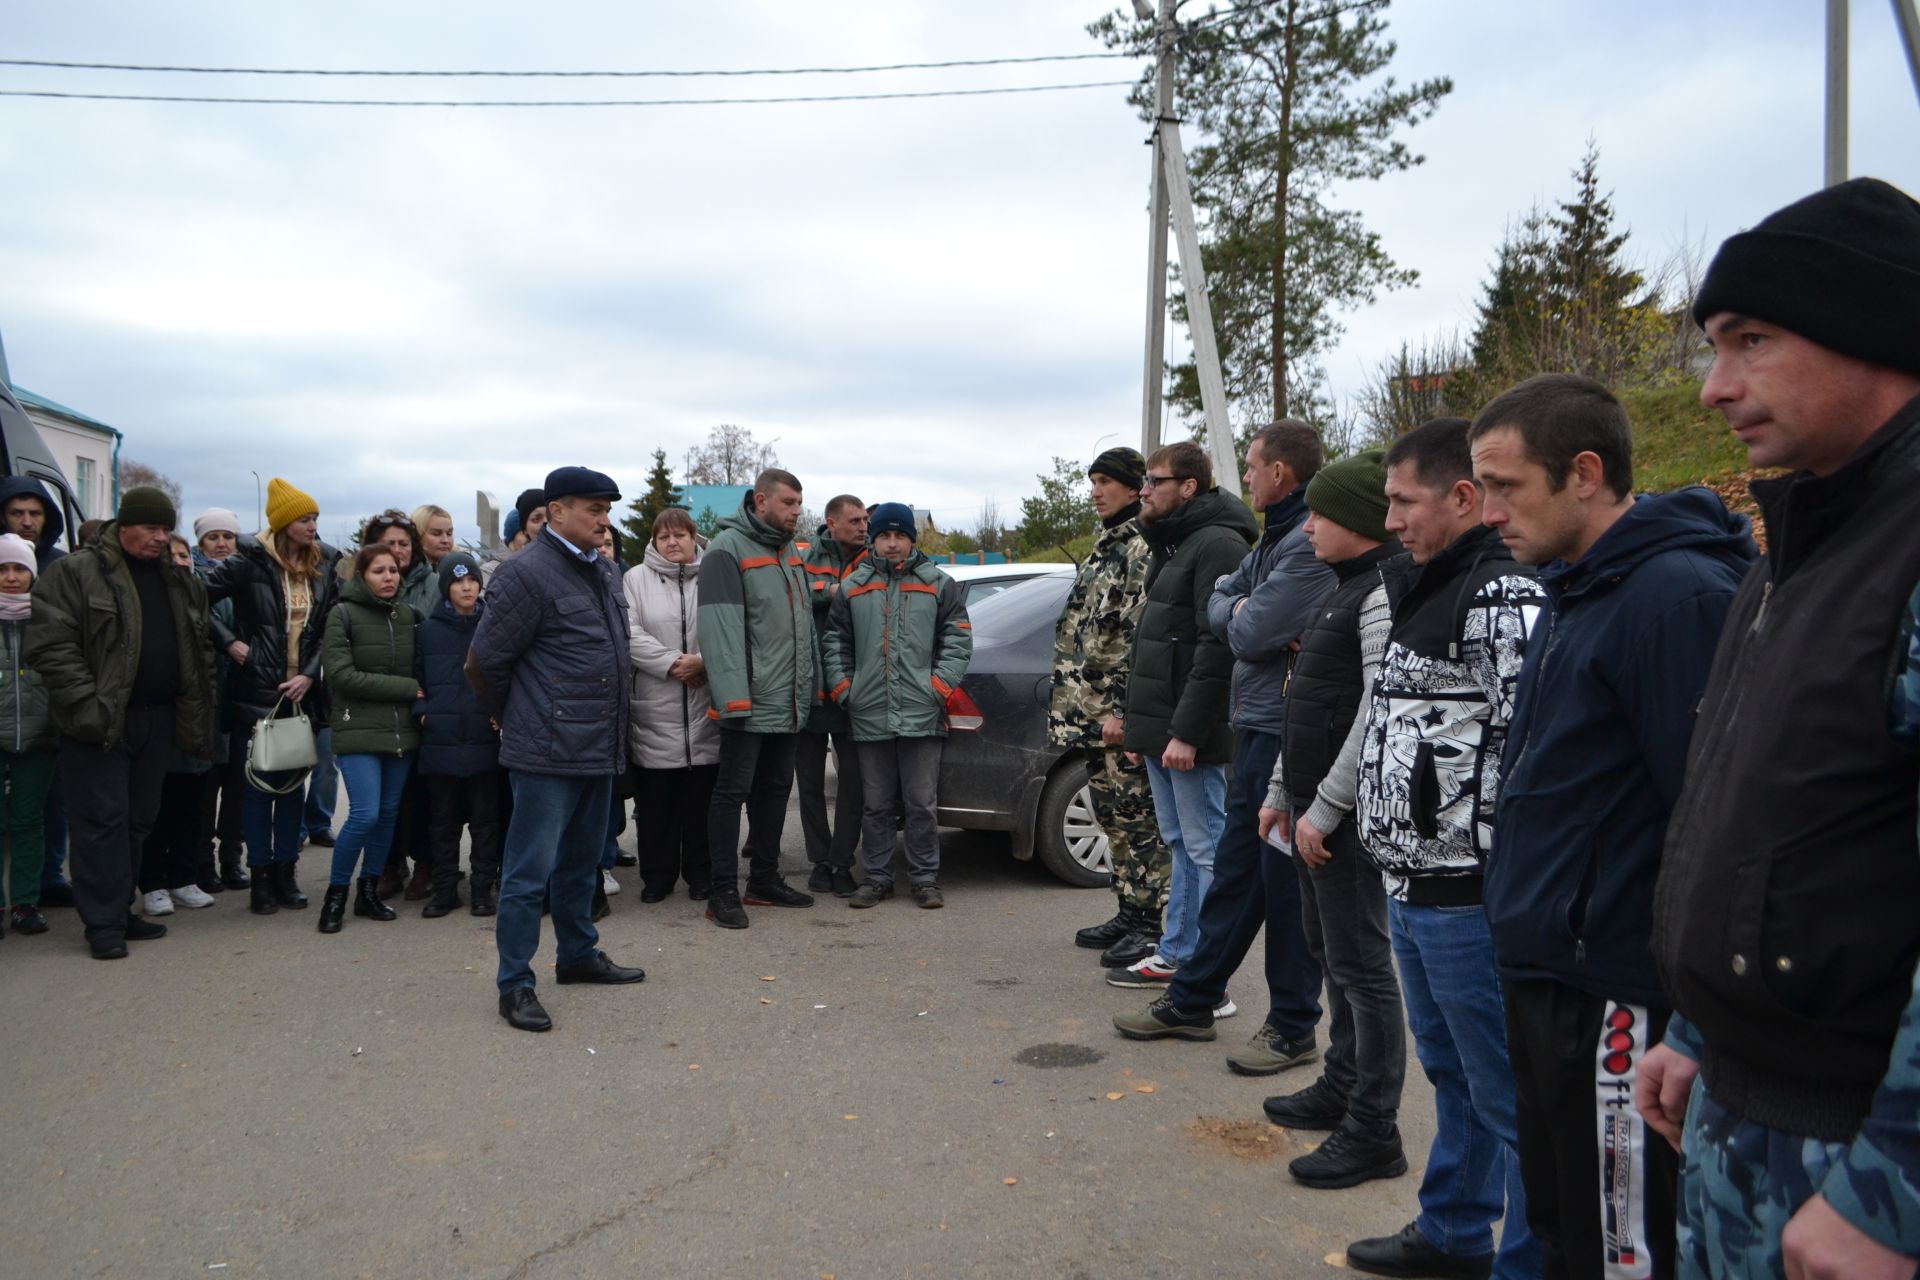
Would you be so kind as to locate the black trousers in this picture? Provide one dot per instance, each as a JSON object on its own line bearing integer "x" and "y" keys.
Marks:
{"x": 113, "y": 797}
{"x": 173, "y": 853}
{"x": 413, "y": 826}
{"x": 474, "y": 803}
{"x": 755, "y": 770}
{"x": 670, "y": 810}
{"x": 1600, "y": 1185}
{"x": 834, "y": 844}
{"x": 220, "y": 811}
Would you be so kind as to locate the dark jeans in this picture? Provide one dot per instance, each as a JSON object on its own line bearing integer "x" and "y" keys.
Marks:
{"x": 473, "y": 803}
{"x": 901, "y": 772}
{"x": 756, "y": 770}
{"x": 835, "y": 845}
{"x": 1254, "y": 884}
{"x": 274, "y": 824}
{"x": 323, "y": 786}
{"x": 53, "y": 854}
{"x": 558, "y": 829}
{"x": 670, "y": 826}
{"x": 1596, "y": 1204}
{"x": 28, "y": 782}
{"x": 220, "y": 811}
{"x": 113, "y": 797}
{"x": 1344, "y": 911}
{"x": 171, "y": 858}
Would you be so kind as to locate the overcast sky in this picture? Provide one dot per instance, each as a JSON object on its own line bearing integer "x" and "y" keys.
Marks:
{"x": 920, "y": 301}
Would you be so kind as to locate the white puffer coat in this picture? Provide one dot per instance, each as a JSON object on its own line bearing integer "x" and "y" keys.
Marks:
{"x": 670, "y": 727}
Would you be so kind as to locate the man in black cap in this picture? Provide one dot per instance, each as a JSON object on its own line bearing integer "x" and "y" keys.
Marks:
{"x": 119, "y": 636}
{"x": 1784, "y": 922}
{"x": 549, "y": 661}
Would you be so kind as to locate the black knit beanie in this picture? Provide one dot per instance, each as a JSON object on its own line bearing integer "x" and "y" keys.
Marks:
{"x": 1840, "y": 268}
{"x": 1123, "y": 464}
{"x": 144, "y": 504}
{"x": 527, "y": 501}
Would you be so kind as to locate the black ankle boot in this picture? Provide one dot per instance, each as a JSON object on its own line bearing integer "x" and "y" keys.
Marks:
{"x": 333, "y": 908}
{"x": 367, "y": 902}
{"x": 232, "y": 873}
{"x": 286, "y": 889}
{"x": 262, "y": 903}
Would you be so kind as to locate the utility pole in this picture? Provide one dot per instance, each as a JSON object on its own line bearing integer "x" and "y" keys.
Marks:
{"x": 1907, "y": 18}
{"x": 1836, "y": 141}
{"x": 1173, "y": 194}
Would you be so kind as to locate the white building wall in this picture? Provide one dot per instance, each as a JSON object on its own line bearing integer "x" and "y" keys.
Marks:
{"x": 73, "y": 444}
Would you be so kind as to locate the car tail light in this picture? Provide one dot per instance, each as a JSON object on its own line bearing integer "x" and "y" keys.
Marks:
{"x": 963, "y": 713}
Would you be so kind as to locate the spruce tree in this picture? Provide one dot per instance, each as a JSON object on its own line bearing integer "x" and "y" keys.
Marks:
{"x": 661, "y": 493}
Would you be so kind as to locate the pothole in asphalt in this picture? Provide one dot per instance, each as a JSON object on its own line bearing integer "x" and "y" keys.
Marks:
{"x": 1058, "y": 1055}
{"x": 1243, "y": 1139}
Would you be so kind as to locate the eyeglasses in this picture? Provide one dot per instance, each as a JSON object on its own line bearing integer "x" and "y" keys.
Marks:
{"x": 1154, "y": 482}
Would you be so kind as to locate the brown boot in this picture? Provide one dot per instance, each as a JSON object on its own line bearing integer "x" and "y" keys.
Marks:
{"x": 393, "y": 880}
{"x": 421, "y": 885}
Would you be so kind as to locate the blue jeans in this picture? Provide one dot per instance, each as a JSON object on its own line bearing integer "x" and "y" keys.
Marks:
{"x": 1191, "y": 809}
{"x": 1459, "y": 1024}
{"x": 375, "y": 784}
{"x": 323, "y": 786}
{"x": 557, "y": 834}
{"x": 272, "y": 823}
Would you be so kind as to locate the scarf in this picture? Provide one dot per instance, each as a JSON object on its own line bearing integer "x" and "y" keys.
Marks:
{"x": 15, "y": 608}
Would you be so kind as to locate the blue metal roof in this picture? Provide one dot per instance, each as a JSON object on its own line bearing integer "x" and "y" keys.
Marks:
{"x": 721, "y": 499}
{"x": 34, "y": 400}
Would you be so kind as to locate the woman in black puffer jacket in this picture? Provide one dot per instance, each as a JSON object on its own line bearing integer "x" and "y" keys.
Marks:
{"x": 283, "y": 583}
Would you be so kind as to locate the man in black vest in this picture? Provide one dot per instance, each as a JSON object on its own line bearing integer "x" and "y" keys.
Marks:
{"x": 1785, "y": 921}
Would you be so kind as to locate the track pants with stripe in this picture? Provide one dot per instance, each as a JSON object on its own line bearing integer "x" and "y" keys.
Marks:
{"x": 1601, "y": 1186}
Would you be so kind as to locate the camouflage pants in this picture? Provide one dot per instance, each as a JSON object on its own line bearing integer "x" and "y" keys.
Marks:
{"x": 1740, "y": 1183}
{"x": 1123, "y": 805}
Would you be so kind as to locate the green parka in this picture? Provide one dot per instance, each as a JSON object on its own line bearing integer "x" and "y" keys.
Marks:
{"x": 898, "y": 645}
{"x": 1180, "y": 677}
{"x": 25, "y": 724}
{"x": 756, "y": 627}
{"x": 827, "y": 567}
{"x": 368, "y": 657}
{"x": 84, "y": 640}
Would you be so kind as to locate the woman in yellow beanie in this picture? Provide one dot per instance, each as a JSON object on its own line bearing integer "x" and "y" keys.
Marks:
{"x": 282, "y": 584}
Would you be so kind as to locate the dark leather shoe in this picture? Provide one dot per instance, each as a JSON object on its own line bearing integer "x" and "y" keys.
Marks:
{"x": 1349, "y": 1158}
{"x": 820, "y": 879}
{"x": 1317, "y": 1106}
{"x": 1407, "y": 1253}
{"x": 109, "y": 950}
{"x": 1099, "y": 937}
{"x": 651, "y": 894}
{"x": 443, "y": 903}
{"x": 775, "y": 893}
{"x": 724, "y": 909}
{"x": 485, "y": 900}
{"x": 599, "y": 969}
{"x": 521, "y": 1008}
{"x": 139, "y": 930}
{"x": 234, "y": 876}
{"x": 1132, "y": 949}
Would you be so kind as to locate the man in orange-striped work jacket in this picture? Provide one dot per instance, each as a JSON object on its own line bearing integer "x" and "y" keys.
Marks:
{"x": 763, "y": 673}
{"x": 836, "y": 549}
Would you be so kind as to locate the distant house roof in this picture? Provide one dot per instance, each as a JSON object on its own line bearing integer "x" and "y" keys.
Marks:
{"x": 34, "y": 400}
{"x": 721, "y": 499}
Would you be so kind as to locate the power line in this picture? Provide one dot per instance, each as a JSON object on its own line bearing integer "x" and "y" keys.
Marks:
{"x": 575, "y": 75}
{"x": 588, "y": 102}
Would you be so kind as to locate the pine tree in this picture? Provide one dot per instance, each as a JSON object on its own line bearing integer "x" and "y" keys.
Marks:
{"x": 661, "y": 493}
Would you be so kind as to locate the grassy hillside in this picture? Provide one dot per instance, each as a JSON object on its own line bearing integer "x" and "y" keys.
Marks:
{"x": 1677, "y": 441}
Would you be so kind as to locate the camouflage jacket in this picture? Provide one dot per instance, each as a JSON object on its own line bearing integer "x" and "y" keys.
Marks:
{"x": 1096, "y": 632}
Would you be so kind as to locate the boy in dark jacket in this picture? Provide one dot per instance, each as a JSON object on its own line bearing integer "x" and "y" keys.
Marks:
{"x": 459, "y": 744}
{"x": 1594, "y": 759}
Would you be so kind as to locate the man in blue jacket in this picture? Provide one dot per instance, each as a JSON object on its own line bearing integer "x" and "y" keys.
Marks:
{"x": 1595, "y": 755}
{"x": 549, "y": 661}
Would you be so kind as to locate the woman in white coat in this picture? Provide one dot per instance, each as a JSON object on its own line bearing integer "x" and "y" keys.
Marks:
{"x": 674, "y": 741}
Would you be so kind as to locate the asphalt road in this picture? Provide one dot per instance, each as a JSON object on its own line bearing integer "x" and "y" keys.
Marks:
{"x": 831, "y": 1093}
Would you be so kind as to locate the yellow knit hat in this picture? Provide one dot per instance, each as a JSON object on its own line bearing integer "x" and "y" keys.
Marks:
{"x": 285, "y": 504}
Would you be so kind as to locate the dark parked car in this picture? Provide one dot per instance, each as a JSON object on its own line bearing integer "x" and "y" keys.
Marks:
{"x": 1004, "y": 775}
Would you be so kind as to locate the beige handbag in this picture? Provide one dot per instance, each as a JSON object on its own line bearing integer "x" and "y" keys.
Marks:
{"x": 281, "y": 744}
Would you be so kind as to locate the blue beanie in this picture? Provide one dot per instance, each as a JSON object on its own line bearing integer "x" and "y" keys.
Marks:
{"x": 512, "y": 526}
{"x": 893, "y": 517}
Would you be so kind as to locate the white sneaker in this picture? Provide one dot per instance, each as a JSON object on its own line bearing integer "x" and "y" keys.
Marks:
{"x": 192, "y": 895}
{"x": 157, "y": 903}
{"x": 608, "y": 884}
{"x": 1226, "y": 1010}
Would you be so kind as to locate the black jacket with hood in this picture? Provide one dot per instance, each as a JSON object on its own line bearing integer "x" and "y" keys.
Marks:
{"x": 1598, "y": 743}
{"x": 250, "y": 577}
{"x": 47, "y": 547}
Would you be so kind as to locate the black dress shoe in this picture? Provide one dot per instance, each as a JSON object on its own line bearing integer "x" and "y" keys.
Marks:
{"x": 108, "y": 950}
{"x": 1350, "y": 1157}
{"x": 775, "y": 893}
{"x": 139, "y": 930}
{"x": 521, "y": 1008}
{"x": 599, "y": 969}
{"x": 485, "y": 900}
{"x": 651, "y": 894}
{"x": 322, "y": 837}
{"x": 1318, "y": 1106}
{"x": 27, "y": 919}
{"x": 724, "y": 909}
{"x": 1407, "y": 1253}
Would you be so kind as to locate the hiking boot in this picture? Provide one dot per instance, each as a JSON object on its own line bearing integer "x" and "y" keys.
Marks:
{"x": 1318, "y": 1106}
{"x": 928, "y": 896}
{"x": 1162, "y": 1021}
{"x": 1134, "y": 946}
{"x": 774, "y": 893}
{"x": 444, "y": 902}
{"x": 843, "y": 885}
{"x": 871, "y": 894}
{"x": 485, "y": 900}
{"x": 1154, "y": 971}
{"x": 1270, "y": 1052}
{"x": 723, "y": 908}
{"x": 820, "y": 879}
{"x": 1407, "y": 1253}
{"x": 27, "y": 919}
{"x": 1350, "y": 1157}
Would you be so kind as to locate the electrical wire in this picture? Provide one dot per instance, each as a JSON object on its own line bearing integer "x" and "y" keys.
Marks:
{"x": 588, "y": 102}
{"x": 576, "y": 75}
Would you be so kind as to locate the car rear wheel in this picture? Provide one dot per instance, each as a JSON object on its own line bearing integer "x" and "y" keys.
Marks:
{"x": 1066, "y": 836}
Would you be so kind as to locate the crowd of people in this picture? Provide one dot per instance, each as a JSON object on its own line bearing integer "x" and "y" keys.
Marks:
{"x": 1615, "y": 816}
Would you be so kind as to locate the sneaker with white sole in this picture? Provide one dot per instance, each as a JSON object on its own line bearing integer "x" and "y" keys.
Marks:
{"x": 191, "y": 895}
{"x": 608, "y": 884}
{"x": 157, "y": 903}
{"x": 1151, "y": 972}
{"x": 1226, "y": 1010}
